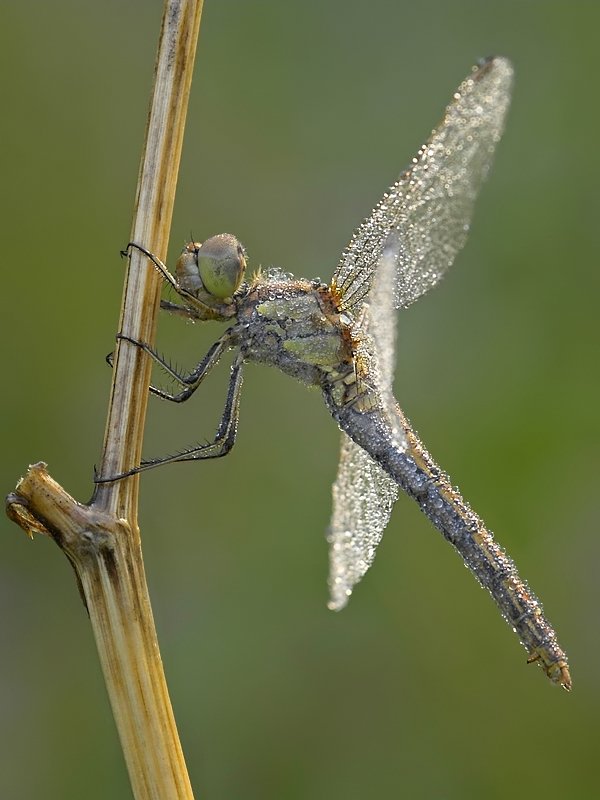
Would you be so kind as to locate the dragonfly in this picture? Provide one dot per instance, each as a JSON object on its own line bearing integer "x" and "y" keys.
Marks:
{"x": 340, "y": 337}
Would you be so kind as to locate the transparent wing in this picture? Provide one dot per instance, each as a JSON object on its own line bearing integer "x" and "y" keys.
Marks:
{"x": 396, "y": 255}
{"x": 424, "y": 217}
{"x": 363, "y": 497}
{"x": 363, "y": 493}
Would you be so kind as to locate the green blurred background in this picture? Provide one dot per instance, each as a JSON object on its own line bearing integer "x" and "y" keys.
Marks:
{"x": 301, "y": 114}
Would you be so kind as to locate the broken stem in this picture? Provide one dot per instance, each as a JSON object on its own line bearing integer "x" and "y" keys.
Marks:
{"x": 102, "y": 539}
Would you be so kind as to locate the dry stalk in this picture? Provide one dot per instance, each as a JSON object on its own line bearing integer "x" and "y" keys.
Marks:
{"x": 102, "y": 539}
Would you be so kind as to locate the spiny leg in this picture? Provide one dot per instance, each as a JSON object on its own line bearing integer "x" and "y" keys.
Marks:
{"x": 161, "y": 268}
{"x": 223, "y": 441}
{"x": 192, "y": 380}
{"x": 182, "y": 311}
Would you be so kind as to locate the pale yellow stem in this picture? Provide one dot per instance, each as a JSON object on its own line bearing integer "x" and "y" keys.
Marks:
{"x": 102, "y": 539}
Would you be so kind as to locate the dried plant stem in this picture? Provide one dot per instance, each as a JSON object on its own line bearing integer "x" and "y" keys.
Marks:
{"x": 106, "y": 556}
{"x": 102, "y": 539}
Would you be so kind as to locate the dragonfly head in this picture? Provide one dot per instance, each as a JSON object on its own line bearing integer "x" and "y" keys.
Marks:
{"x": 215, "y": 267}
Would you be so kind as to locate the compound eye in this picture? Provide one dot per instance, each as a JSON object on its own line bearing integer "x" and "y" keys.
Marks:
{"x": 221, "y": 264}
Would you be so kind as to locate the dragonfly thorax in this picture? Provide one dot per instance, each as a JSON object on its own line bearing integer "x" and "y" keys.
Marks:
{"x": 296, "y": 327}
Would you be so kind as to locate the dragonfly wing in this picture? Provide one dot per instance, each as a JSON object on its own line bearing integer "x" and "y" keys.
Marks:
{"x": 400, "y": 252}
{"x": 378, "y": 326}
{"x": 363, "y": 493}
{"x": 363, "y": 498}
{"x": 423, "y": 219}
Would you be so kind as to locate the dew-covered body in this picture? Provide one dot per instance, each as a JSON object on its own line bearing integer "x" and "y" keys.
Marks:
{"x": 294, "y": 325}
{"x": 340, "y": 338}
{"x": 298, "y": 327}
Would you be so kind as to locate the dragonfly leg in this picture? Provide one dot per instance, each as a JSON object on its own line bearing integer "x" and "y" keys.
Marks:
{"x": 223, "y": 441}
{"x": 182, "y": 311}
{"x": 160, "y": 267}
{"x": 190, "y": 381}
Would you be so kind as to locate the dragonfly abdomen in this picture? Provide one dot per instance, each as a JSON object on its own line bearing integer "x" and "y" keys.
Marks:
{"x": 417, "y": 474}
